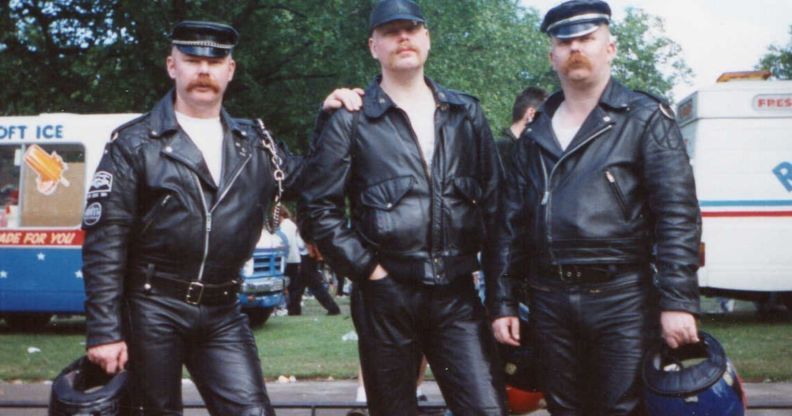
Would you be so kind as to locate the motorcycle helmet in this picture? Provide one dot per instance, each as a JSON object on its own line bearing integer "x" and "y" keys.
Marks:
{"x": 83, "y": 388}
{"x": 521, "y": 401}
{"x": 696, "y": 379}
{"x": 521, "y": 370}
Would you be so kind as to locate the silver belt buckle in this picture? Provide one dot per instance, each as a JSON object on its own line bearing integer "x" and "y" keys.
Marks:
{"x": 191, "y": 296}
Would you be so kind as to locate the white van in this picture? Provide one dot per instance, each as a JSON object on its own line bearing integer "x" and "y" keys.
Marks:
{"x": 739, "y": 136}
{"x": 46, "y": 164}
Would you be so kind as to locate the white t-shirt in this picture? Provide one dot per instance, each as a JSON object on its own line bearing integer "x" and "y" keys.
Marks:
{"x": 289, "y": 229}
{"x": 564, "y": 134}
{"x": 207, "y": 134}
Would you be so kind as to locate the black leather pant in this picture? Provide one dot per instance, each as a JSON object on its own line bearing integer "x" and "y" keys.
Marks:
{"x": 592, "y": 338}
{"x": 397, "y": 322}
{"x": 308, "y": 275}
{"x": 214, "y": 342}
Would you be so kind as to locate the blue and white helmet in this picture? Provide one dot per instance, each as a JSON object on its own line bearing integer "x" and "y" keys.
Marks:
{"x": 695, "y": 379}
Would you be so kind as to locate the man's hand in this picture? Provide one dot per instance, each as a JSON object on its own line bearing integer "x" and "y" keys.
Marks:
{"x": 507, "y": 330}
{"x": 378, "y": 273}
{"x": 351, "y": 99}
{"x": 111, "y": 357}
{"x": 679, "y": 328}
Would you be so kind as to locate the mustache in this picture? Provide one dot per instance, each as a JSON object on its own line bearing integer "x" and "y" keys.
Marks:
{"x": 203, "y": 83}
{"x": 576, "y": 61}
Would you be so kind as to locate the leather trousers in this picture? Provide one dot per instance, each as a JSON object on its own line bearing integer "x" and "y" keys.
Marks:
{"x": 214, "y": 342}
{"x": 593, "y": 337}
{"x": 398, "y": 322}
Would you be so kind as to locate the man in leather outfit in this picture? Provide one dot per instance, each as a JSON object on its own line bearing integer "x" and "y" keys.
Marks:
{"x": 602, "y": 205}
{"x": 421, "y": 173}
{"x": 174, "y": 210}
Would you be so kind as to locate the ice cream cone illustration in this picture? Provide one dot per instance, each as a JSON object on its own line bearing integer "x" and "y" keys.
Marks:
{"x": 49, "y": 169}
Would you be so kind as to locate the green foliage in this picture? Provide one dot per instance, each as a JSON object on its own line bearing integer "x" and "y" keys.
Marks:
{"x": 647, "y": 59}
{"x": 106, "y": 56}
{"x": 778, "y": 60}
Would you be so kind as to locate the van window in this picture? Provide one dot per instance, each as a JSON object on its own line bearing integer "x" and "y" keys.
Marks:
{"x": 41, "y": 185}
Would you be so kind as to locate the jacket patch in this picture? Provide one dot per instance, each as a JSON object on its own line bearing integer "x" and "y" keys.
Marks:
{"x": 101, "y": 185}
{"x": 93, "y": 213}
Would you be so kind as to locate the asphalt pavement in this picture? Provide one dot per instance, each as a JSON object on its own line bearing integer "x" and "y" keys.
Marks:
{"x": 765, "y": 399}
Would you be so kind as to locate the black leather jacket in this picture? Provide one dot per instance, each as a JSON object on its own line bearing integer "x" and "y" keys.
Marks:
{"x": 420, "y": 224}
{"x": 154, "y": 200}
{"x": 623, "y": 192}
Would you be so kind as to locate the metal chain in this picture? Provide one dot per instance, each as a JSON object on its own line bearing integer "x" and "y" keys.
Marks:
{"x": 269, "y": 143}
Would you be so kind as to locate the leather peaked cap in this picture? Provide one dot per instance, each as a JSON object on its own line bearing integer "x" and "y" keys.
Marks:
{"x": 387, "y": 11}
{"x": 207, "y": 39}
{"x": 575, "y": 18}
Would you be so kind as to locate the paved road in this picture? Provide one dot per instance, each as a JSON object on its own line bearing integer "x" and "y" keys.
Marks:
{"x": 343, "y": 391}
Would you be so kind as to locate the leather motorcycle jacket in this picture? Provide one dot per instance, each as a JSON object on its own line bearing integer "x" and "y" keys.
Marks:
{"x": 421, "y": 221}
{"x": 154, "y": 200}
{"x": 621, "y": 193}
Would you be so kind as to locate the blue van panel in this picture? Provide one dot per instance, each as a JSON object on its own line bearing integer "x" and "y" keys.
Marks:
{"x": 41, "y": 279}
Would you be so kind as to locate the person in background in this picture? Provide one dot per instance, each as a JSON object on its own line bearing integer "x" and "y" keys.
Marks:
{"x": 523, "y": 112}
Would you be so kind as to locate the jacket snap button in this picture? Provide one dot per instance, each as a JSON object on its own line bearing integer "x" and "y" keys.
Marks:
{"x": 168, "y": 149}
{"x": 390, "y": 205}
{"x": 569, "y": 274}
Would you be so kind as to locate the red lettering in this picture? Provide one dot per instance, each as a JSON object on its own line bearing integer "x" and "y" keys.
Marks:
{"x": 762, "y": 103}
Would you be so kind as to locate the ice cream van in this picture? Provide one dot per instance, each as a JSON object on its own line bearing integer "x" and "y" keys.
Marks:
{"x": 46, "y": 162}
{"x": 739, "y": 136}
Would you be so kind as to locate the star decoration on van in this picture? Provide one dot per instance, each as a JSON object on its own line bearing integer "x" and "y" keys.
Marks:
{"x": 41, "y": 256}
{"x": 78, "y": 274}
{"x": 3, "y": 274}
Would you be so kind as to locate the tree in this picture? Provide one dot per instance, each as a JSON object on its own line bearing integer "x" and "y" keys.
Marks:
{"x": 778, "y": 60}
{"x": 647, "y": 59}
{"x": 89, "y": 56}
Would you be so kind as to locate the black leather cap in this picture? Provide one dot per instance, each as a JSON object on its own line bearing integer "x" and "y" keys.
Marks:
{"x": 575, "y": 18}
{"x": 388, "y": 11}
{"x": 207, "y": 39}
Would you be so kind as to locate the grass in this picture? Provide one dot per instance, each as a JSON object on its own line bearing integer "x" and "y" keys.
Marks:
{"x": 310, "y": 346}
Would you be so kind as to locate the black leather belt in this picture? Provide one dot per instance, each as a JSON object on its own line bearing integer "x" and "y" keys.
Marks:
{"x": 599, "y": 273}
{"x": 192, "y": 292}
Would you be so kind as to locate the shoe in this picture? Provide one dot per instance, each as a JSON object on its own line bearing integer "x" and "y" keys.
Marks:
{"x": 357, "y": 412}
{"x": 422, "y": 398}
{"x": 334, "y": 312}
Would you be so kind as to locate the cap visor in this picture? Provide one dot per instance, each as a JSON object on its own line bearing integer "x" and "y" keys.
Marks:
{"x": 575, "y": 30}
{"x": 204, "y": 51}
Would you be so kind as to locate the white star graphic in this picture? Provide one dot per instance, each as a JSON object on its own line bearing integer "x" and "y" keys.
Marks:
{"x": 41, "y": 256}
{"x": 78, "y": 274}
{"x": 3, "y": 274}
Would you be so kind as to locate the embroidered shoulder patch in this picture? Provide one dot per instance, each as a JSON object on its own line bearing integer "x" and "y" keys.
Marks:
{"x": 101, "y": 185}
{"x": 93, "y": 213}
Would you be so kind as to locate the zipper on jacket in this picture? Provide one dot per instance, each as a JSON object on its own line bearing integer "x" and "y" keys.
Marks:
{"x": 547, "y": 198}
{"x": 154, "y": 211}
{"x": 616, "y": 191}
{"x": 207, "y": 226}
{"x": 208, "y": 212}
{"x": 428, "y": 175}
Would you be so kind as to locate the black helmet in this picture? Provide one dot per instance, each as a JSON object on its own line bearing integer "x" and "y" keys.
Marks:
{"x": 709, "y": 386}
{"x": 83, "y": 388}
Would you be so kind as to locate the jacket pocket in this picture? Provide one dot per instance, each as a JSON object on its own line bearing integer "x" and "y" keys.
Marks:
{"x": 617, "y": 192}
{"x": 469, "y": 188}
{"x": 465, "y": 224}
{"x": 154, "y": 212}
{"x": 382, "y": 220}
